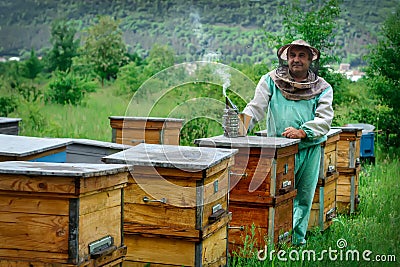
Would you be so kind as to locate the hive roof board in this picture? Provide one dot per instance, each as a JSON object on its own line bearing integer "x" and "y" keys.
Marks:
{"x": 21, "y": 146}
{"x": 333, "y": 131}
{"x": 158, "y": 119}
{"x": 247, "y": 141}
{"x": 97, "y": 143}
{"x": 8, "y": 120}
{"x": 171, "y": 156}
{"x": 60, "y": 169}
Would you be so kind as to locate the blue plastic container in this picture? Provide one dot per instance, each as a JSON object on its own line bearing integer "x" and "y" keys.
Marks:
{"x": 367, "y": 144}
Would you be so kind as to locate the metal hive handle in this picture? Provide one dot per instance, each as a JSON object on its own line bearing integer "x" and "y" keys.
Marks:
{"x": 148, "y": 200}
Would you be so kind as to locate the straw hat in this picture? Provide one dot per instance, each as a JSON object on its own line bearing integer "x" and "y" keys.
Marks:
{"x": 282, "y": 52}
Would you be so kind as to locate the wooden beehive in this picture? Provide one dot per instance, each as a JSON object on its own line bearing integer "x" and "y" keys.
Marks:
{"x": 271, "y": 222}
{"x": 9, "y": 125}
{"x": 176, "y": 205}
{"x": 329, "y": 154}
{"x": 26, "y": 148}
{"x": 347, "y": 197}
{"x": 349, "y": 147}
{"x": 324, "y": 203}
{"x": 151, "y": 130}
{"x": 61, "y": 214}
{"x": 261, "y": 178}
{"x": 91, "y": 151}
{"x": 348, "y": 166}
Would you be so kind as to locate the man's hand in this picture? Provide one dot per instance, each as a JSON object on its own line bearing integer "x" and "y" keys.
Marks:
{"x": 293, "y": 133}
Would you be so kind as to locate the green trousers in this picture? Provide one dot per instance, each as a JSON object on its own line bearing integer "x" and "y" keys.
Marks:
{"x": 306, "y": 178}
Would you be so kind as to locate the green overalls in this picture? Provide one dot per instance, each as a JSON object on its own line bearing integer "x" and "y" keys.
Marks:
{"x": 283, "y": 113}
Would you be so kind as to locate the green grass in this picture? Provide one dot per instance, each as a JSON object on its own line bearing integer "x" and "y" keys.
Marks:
{"x": 89, "y": 120}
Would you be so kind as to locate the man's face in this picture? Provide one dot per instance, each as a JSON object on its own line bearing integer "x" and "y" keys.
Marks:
{"x": 299, "y": 60}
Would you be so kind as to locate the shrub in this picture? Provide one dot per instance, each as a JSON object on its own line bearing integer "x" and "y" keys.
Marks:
{"x": 68, "y": 88}
{"x": 7, "y": 105}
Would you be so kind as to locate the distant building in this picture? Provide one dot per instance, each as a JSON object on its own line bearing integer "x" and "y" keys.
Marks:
{"x": 352, "y": 75}
{"x": 344, "y": 67}
{"x": 14, "y": 59}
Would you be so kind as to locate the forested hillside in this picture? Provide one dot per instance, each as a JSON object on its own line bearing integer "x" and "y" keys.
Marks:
{"x": 234, "y": 29}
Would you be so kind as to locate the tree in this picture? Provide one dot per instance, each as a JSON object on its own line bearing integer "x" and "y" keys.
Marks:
{"x": 313, "y": 21}
{"x": 160, "y": 58}
{"x": 68, "y": 88}
{"x": 384, "y": 74}
{"x": 65, "y": 46}
{"x": 104, "y": 48}
{"x": 32, "y": 67}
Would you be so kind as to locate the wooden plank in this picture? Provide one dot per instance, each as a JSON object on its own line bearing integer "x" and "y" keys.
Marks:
{"x": 42, "y": 184}
{"x": 348, "y": 153}
{"x": 159, "y": 251}
{"x": 168, "y": 173}
{"x": 32, "y": 263}
{"x": 220, "y": 166}
{"x": 98, "y": 224}
{"x": 216, "y": 187}
{"x": 210, "y": 229}
{"x": 146, "y": 123}
{"x": 113, "y": 259}
{"x": 329, "y": 202}
{"x": 96, "y": 183}
{"x": 257, "y": 172}
{"x": 33, "y": 233}
{"x": 100, "y": 201}
{"x": 189, "y": 234}
{"x": 33, "y": 204}
{"x": 245, "y": 216}
{"x": 162, "y": 215}
{"x": 177, "y": 193}
{"x": 330, "y": 159}
{"x": 286, "y": 151}
{"x": 214, "y": 249}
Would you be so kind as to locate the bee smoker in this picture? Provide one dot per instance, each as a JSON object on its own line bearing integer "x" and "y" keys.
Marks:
{"x": 230, "y": 119}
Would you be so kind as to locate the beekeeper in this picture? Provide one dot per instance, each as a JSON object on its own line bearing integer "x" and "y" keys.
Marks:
{"x": 298, "y": 104}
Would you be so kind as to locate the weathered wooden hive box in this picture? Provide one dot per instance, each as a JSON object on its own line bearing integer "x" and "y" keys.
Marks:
{"x": 151, "y": 130}
{"x": 176, "y": 205}
{"x": 324, "y": 204}
{"x": 262, "y": 187}
{"x": 349, "y": 147}
{"x": 91, "y": 151}
{"x": 347, "y": 197}
{"x": 348, "y": 165}
{"x": 61, "y": 214}
{"x": 26, "y": 148}
{"x": 9, "y": 125}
